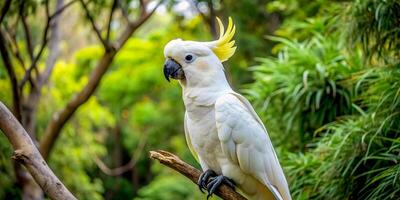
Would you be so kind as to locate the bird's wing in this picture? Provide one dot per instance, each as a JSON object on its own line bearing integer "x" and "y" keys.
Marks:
{"x": 188, "y": 140}
{"x": 245, "y": 141}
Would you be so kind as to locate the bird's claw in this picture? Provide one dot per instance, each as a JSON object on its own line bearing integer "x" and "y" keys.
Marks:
{"x": 204, "y": 179}
{"x": 215, "y": 182}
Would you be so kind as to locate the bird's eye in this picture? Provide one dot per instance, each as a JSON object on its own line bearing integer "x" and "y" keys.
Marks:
{"x": 189, "y": 58}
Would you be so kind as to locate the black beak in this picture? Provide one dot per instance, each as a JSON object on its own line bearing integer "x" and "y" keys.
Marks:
{"x": 173, "y": 69}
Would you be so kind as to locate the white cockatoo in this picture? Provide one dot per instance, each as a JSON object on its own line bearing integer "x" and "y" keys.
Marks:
{"x": 222, "y": 130}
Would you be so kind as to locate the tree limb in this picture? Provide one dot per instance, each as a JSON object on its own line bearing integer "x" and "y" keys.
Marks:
{"x": 36, "y": 58}
{"x": 27, "y": 154}
{"x": 60, "y": 10}
{"x": 132, "y": 26}
{"x": 96, "y": 30}
{"x": 110, "y": 16}
{"x": 124, "y": 168}
{"x": 13, "y": 45}
{"x": 60, "y": 118}
{"x": 4, "y": 10}
{"x": 174, "y": 162}
{"x": 49, "y": 22}
{"x": 54, "y": 47}
{"x": 13, "y": 78}
{"x": 27, "y": 31}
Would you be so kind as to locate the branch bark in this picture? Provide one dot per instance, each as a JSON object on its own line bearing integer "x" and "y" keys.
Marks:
{"x": 60, "y": 118}
{"x": 13, "y": 78}
{"x": 27, "y": 154}
{"x": 4, "y": 10}
{"x": 174, "y": 162}
{"x": 124, "y": 168}
{"x": 94, "y": 26}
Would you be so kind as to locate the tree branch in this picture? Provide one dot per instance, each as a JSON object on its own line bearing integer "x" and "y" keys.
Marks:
{"x": 27, "y": 154}
{"x": 114, "y": 5}
{"x": 13, "y": 78}
{"x": 59, "y": 119}
{"x": 36, "y": 58}
{"x": 96, "y": 30}
{"x": 132, "y": 26}
{"x": 13, "y": 45}
{"x": 174, "y": 162}
{"x": 60, "y": 10}
{"x": 124, "y": 168}
{"x": 49, "y": 22}
{"x": 4, "y": 10}
{"x": 27, "y": 32}
{"x": 54, "y": 40}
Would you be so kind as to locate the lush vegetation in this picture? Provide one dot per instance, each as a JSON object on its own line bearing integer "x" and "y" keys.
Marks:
{"x": 323, "y": 75}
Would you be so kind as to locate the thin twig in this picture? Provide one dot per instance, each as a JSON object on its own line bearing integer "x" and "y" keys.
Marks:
{"x": 96, "y": 30}
{"x": 15, "y": 48}
{"x": 124, "y": 168}
{"x": 27, "y": 32}
{"x": 174, "y": 162}
{"x": 114, "y": 5}
{"x": 59, "y": 11}
{"x": 53, "y": 48}
{"x": 61, "y": 118}
{"x": 13, "y": 78}
{"x": 45, "y": 39}
{"x": 4, "y": 10}
{"x": 134, "y": 25}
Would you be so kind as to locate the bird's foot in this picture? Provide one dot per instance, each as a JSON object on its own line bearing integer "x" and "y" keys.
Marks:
{"x": 203, "y": 180}
{"x": 215, "y": 182}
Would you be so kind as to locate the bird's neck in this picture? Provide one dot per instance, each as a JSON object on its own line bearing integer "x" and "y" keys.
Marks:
{"x": 206, "y": 91}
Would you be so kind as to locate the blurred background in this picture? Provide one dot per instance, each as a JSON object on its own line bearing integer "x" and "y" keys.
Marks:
{"x": 84, "y": 77}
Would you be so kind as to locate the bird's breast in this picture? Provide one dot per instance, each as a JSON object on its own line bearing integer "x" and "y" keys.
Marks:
{"x": 204, "y": 136}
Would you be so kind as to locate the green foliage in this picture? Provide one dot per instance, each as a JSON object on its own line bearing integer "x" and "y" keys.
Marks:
{"x": 167, "y": 187}
{"x": 358, "y": 156}
{"x": 375, "y": 24}
{"x": 305, "y": 83}
{"x": 353, "y": 142}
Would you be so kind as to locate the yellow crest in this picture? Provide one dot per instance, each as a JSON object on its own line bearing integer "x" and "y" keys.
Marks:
{"x": 223, "y": 47}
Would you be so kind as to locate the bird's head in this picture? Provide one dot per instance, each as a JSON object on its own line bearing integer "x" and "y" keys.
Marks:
{"x": 198, "y": 62}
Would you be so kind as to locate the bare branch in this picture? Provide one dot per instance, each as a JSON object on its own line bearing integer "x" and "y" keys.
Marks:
{"x": 174, "y": 162}
{"x": 47, "y": 9}
{"x": 13, "y": 45}
{"x": 60, "y": 118}
{"x": 45, "y": 39}
{"x": 36, "y": 58}
{"x": 143, "y": 5}
{"x": 96, "y": 30}
{"x": 4, "y": 10}
{"x": 27, "y": 74}
{"x": 27, "y": 154}
{"x": 134, "y": 25}
{"x": 124, "y": 168}
{"x": 54, "y": 40}
{"x": 27, "y": 32}
{"x": 114, "y": 5}
{"x": 60, "y": 10}
{"x": 13, "y": 79}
